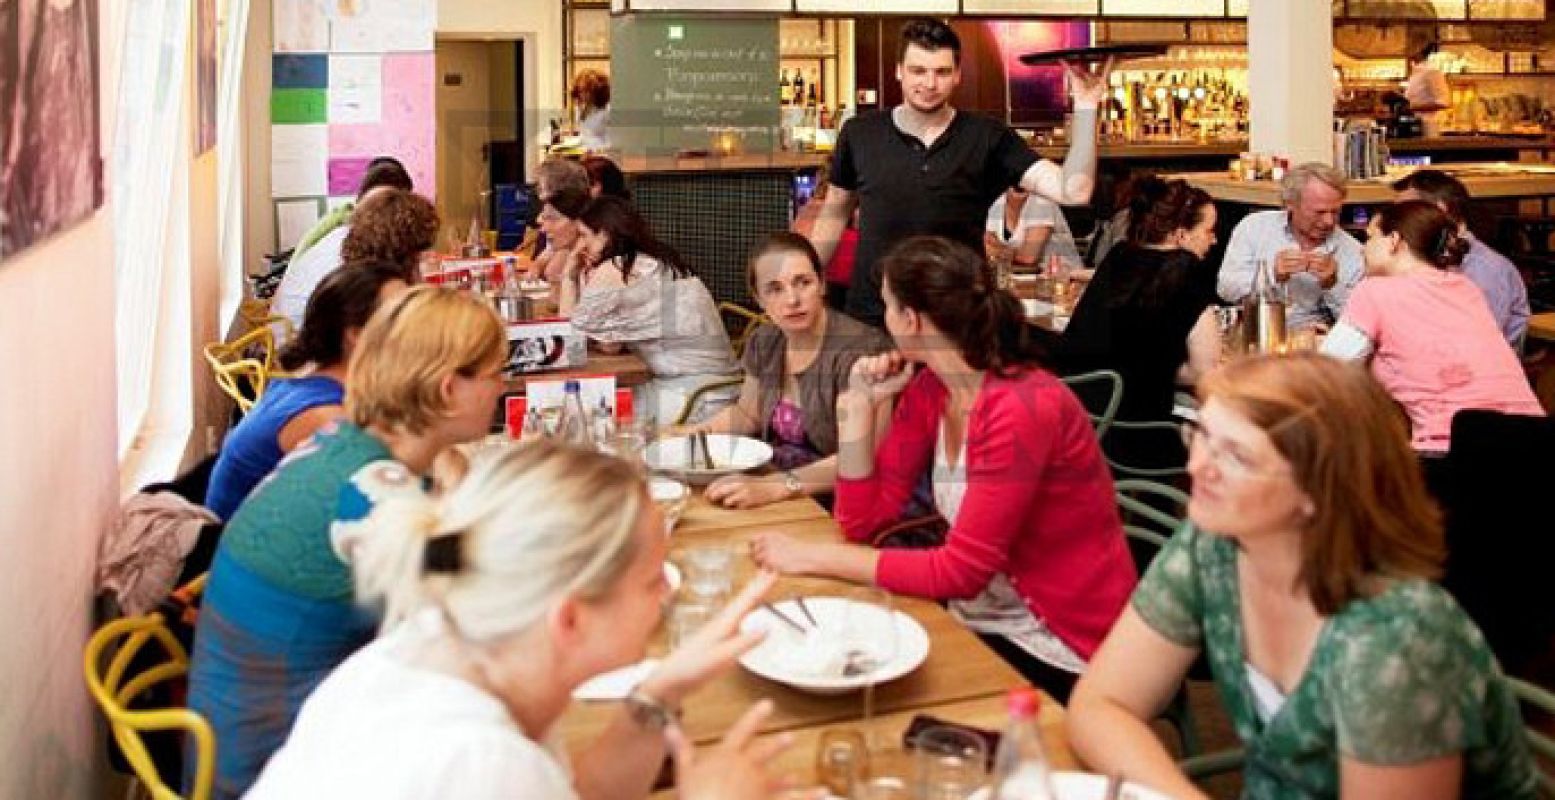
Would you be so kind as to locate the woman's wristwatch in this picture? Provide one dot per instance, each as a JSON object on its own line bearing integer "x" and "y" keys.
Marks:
{"x": 650, "y": 712}
{"x": 792, "y": 483}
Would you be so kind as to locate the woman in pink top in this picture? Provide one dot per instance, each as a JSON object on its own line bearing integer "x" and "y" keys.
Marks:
{"x": 1035, "y": 561}
{"x": 1426, "y": 328}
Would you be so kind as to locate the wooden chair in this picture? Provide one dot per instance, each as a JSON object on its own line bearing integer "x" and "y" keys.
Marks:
{"x": 244, "y": 365}
{"x": 114, "y": 689}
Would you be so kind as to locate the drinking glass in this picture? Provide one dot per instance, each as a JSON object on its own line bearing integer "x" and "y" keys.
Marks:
{"x": 685, "y": 620}
{"x": 869, "y": 637}
{"x": 841, "y": 760}
{"x": 710, "y": 572}
{"x": 951, "y": 763}
{"x": 883, "y": 788}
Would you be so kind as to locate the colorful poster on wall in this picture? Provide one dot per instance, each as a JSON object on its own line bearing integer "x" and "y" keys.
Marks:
{"x": 298, "y": 160}
{"x": 355, "y": 89}
{"x": 382, "y": 26}
{"x": 51, "y": 171}
{"x": 405, "y": 130}
{"x": 301, "y": 26}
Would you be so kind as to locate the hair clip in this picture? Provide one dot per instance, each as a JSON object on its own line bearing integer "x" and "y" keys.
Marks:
{"x": 444, "y": 555}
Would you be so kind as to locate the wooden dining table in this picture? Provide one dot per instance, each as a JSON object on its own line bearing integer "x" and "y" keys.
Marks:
{"x": 961, "y": 680}
{"x": 626, "y": 367}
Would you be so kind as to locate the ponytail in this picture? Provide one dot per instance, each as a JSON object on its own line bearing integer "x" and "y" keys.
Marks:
{"x": 1429, "y": 233}
{"x": 388, "y": 559}
{"x": 528, "y": 525}
{"x": 345, "y": 300}
{"x": 955, "y": 287}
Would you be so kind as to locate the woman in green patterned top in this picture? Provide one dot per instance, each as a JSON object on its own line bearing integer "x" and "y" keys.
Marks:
{"x": 1304, "y": 575}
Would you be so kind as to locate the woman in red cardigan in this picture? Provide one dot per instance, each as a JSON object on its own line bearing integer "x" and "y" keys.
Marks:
{"x": 1035, "y": 561}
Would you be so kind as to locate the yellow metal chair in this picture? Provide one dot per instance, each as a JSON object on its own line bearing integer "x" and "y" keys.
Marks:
{"x": 113, "y": 690}
{"x": 742, "y": 322}
{"x": 242, "y": 375}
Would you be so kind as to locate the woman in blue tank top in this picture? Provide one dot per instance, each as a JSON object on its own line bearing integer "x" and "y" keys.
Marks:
{"x": 292, "y": 409}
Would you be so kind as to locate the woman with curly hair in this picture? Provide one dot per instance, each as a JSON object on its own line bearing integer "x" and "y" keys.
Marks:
{"x": 392, "y": 225}
{"x": 591, "y": 103}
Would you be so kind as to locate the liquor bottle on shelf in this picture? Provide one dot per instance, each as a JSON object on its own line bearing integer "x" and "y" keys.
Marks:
{"x": 785, "y": 89}
{"x": 798, "y": 87}
{"x": 810, "y": 98}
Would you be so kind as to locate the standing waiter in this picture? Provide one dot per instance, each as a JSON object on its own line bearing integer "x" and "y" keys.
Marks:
{"x": 924, "y": 168}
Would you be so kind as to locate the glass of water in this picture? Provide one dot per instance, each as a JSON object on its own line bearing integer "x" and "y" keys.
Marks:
{"x": 710, "y": 572}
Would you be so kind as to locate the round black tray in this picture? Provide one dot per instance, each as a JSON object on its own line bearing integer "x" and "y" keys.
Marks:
{"x": 1119, "y": 52}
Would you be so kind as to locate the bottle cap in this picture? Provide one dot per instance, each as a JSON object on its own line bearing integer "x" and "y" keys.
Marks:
{"x": 572, "y": 386}
{"x": 1024, "y": 702}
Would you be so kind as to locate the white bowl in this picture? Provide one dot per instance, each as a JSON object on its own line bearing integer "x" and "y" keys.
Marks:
{"x": 671, "y": 497}
{"x": 731, "y": 454}
{"x": 1087, "y": 786}
{"x": 784, "y": 656}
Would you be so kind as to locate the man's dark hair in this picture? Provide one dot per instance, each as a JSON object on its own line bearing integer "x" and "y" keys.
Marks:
{"x": 929, "y": 34}
{"x": 384, "y": 171}
{"x": 1438, "y": 187}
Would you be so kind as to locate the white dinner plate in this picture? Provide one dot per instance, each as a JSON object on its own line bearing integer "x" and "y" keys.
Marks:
{"x": 1086, "y": 786}
{"x": 731, "y": 454}
{"x": 814, "y": 662}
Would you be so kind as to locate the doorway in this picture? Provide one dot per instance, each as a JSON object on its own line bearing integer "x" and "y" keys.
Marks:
{"x": 480, "y": 130}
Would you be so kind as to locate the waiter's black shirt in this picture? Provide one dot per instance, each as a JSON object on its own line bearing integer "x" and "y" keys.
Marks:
{"x": 905, "y": 189}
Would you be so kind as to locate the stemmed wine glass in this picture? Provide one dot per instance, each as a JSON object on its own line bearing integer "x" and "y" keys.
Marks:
{"x": 870, "y": 640}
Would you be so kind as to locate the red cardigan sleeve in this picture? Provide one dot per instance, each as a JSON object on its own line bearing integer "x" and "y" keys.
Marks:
{"x": 866, "y": 505}
{"x": 1009, "y": 443}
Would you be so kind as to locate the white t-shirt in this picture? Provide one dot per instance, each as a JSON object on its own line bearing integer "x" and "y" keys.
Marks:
{"x": 306, "y": 273}
{"x": 1037, "y": 212}
{"x": 377, "y": 727}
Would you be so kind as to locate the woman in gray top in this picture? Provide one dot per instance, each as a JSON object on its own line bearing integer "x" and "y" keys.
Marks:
{"x": 795, "y": 366}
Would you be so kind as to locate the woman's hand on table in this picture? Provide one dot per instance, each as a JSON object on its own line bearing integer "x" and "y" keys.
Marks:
{"x": 712, "y": 649}
{"x": 744, "y": 491}
{"x": 782, "y": 553}
{"x": 879, "y": 378}
{"x": 733, "y": 769}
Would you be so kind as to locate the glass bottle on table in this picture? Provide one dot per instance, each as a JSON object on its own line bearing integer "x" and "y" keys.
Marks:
{"x": 574, "y": 428}
{"x": 1020, "y": 766}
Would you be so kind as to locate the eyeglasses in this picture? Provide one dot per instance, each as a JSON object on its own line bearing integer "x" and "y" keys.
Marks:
{"x": 1229, "y": 462}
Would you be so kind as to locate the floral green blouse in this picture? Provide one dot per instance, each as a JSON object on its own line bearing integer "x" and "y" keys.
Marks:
{"x": 1398, "y": 678}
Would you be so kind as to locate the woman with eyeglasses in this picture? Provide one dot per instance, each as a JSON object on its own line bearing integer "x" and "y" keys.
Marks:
{"x": 1034, "y": 560}
{"x": 1026, "y": 231}
{"x": 279, "y": 612}
{"x": 1305, "y": 575}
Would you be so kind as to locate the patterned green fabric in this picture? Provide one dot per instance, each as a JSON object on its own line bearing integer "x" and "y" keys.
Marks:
{"x": 282, "y": 531}
{"x": 1395, "y": 679}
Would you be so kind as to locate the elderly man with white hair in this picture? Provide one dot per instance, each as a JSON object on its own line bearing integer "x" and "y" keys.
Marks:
{"x": 1301, "y": 246}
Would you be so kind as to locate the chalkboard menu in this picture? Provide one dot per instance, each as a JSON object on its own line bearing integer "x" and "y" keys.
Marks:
{"x": 688, "y": 83}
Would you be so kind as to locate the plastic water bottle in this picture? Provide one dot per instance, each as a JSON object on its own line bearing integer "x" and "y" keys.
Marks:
{"x": 1020, "y": 768}
{"x": 575, "y": 427}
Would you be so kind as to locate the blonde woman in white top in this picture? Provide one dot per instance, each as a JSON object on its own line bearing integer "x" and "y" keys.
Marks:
{"x": 541, "y": 570}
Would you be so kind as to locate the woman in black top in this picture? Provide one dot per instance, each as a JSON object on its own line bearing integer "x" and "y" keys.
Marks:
{"x": 1147, "y": 314}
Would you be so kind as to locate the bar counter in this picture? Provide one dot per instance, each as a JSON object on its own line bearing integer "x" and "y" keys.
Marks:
{"x": 782, "y": 161}
{"x": 1484, "y": 182}
{"x": 1461, "y": 148}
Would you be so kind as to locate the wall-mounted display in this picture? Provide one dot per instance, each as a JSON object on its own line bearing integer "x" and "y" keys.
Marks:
{"x": 51, "y": 173}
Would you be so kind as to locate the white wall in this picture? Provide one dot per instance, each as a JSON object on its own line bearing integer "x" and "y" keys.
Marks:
{"x": 59, "y": 471}
{"x": 58, "y": 486}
